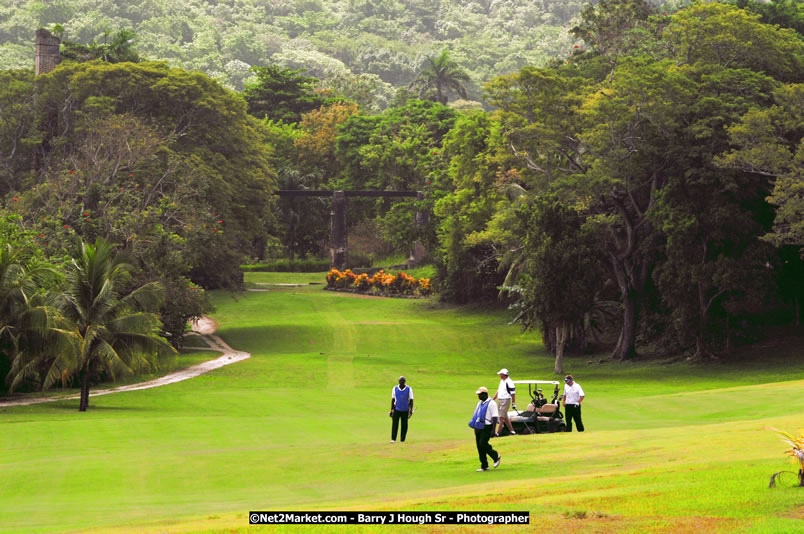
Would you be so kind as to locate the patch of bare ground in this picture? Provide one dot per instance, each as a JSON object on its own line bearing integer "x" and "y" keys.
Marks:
{"x": 695, "y": 525}
{"x": 796, "y": 513}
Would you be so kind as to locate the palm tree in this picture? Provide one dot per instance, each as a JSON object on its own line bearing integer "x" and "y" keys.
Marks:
{"x": 442, "y": 75}
{"x": 111, "y": 330}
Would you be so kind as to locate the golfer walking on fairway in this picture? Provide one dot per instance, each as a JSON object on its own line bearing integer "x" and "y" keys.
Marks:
{"x": 483, "y": 421}
{"x": 505, "y": 396}
{"x": 573, "y": 397}
{"x": 401, "y": 408}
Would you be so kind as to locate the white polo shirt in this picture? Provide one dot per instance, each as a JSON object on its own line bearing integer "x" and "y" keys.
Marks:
{"x": 491, "y": 411}
{"x": 504, "y": 388}
{"x": 573, "y": 393}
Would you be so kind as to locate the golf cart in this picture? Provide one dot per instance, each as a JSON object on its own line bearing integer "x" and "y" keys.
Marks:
{"x": 541, "y": 416}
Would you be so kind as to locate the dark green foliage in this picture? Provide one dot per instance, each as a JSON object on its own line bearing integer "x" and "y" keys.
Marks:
{"x": 310, "y": 265}
{"x": 640, "y": 152}
{"x": 784, "y": 13}
{"x": 24, "y": 279}
{"x": 108, "y": 324}
{"x": 18, "y": 129}
{"x": 562, "y": 273}
{"x": 162, "y": 161}
{"x": 281, "y": 94}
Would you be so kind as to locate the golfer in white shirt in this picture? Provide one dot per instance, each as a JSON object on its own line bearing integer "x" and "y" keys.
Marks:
{"x": 505, "y": 397}
{"x": 573, "y": 397}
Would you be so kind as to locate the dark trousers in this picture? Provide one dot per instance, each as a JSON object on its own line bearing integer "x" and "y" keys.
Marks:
{"x": 484, "y": 448}
{"x": 574, "y": 412}
{"x": 400, "y": 415}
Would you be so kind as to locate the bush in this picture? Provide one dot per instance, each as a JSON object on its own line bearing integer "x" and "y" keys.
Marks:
{"x": 357, "y": 260}
{"x": 381, "y": 283}
{"x": 288, "y": 266}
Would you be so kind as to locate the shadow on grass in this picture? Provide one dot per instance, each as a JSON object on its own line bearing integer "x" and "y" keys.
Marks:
{"x": 70, "y": 406}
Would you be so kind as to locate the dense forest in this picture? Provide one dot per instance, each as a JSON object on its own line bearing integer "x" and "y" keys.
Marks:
{"x": 378, "y": 45}
{"x": 629, "y": 179}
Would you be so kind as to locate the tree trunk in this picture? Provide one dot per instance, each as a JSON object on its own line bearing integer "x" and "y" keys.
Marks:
{"x": 728, "y": 348}
{"x": 626, "y": 344}
{"x": 702, "y": 346}
{"x": 548, "y": 337}
{"x": 259, "y": 247}
{"x": 562, "y": 332}
{"x": 292, "y": 247}
{"x": 84, "y": 404}
{"x": 797, "y": 310}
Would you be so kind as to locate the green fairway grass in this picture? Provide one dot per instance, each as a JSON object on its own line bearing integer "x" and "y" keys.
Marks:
{"x": 303, "y": 425}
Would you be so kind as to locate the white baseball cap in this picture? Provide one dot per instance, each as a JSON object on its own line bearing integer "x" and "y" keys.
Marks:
{"x": 481, "y": 390}
{"x": 503, "y": 371}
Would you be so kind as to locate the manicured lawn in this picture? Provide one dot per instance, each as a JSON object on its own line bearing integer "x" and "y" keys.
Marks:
{"x": 303, "y": 424}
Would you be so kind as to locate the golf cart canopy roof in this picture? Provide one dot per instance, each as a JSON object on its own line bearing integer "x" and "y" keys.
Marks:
{"x": 537, "y": 382}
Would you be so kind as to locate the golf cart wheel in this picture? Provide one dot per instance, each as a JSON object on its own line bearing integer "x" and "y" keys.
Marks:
{"x": 561, "y": 427}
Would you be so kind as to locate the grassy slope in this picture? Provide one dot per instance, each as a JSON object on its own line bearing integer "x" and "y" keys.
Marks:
{"x": 303, "y": 424}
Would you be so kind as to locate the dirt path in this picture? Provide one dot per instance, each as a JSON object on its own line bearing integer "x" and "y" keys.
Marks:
{"x": 204, "y": 328}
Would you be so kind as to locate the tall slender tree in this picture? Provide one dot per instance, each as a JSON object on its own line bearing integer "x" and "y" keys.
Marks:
{"x": 440, "y": 75}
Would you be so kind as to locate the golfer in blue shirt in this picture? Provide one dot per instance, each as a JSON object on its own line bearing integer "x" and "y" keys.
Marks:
{"x": 401, "y": 408}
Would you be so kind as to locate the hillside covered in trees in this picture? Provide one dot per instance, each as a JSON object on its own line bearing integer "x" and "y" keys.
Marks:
{"x": 378, "y": 44}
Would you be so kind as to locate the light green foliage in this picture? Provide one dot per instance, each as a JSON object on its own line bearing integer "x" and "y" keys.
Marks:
{"x": 331, "y": 39}
{"x": 114, "y": 48}
{"x": 396, "y": 150}
{"x": 480, "y": 171}
{"x": 723, "y": 35}
{"x": 615, "y": 28}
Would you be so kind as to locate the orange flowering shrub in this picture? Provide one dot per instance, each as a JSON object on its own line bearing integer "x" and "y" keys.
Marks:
{"x": 340, "y": 280}
{"x": 362, "y": 282}
{"x": 424, "y": 286}
{"x": 403, "y": 283}
{"x": 381, "y": 283}
{"x": 332, "y": 275}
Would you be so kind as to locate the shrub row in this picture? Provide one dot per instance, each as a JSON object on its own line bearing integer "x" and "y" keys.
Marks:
{"x": 288, "y": 266}
{"x": 381, "y": 283}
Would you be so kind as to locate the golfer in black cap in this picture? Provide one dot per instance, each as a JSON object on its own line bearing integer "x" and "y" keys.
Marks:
{"x": 483, "y": 421}
{"x": 573, "y": 397}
